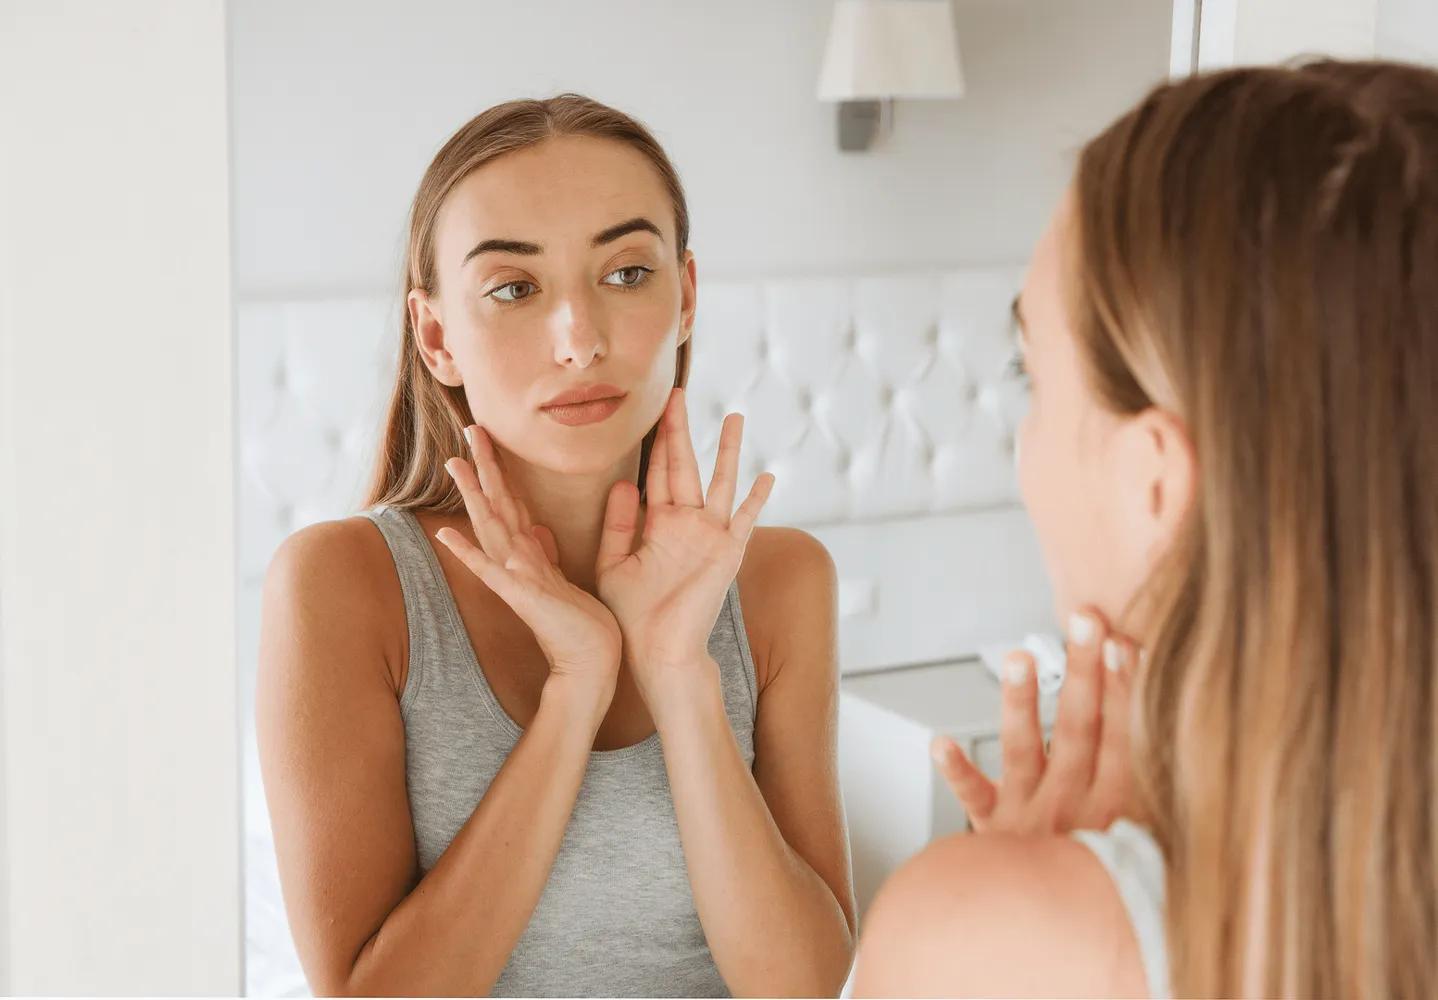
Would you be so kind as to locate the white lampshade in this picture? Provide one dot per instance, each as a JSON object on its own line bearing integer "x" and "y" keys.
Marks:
{"x": 891, "y": 48}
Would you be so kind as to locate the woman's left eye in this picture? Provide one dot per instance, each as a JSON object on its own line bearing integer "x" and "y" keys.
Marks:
{"x": 629, "y": 277}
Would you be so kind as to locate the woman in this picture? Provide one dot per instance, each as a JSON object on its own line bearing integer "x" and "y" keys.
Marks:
{"x": 1232, "y": 452}
{"x": 554, "y": 760}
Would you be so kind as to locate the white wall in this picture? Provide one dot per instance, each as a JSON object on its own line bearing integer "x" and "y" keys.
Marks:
{"x": 1237, "y": 32}
{"x": 339, "y": 106}
{"x": 1273, "y": 30}
{"x": 1408, "y": 29}
{"x": 120, "y": 828}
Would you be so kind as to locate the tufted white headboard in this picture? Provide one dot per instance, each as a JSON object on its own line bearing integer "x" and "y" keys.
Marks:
{"x": 882, "y": 404}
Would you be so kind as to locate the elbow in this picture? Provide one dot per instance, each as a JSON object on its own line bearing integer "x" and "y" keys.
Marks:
{"x": 340, "y": 983}
{"x": 806, "y": 971}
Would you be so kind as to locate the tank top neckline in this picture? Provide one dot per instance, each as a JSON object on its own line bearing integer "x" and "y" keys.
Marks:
{"x": 461, "y": 638}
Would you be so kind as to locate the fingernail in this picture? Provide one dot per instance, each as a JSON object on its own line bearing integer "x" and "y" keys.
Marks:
{"x": 1016, "y": 668}
{"x": 469, "y": 436}
{"x": 938, "y": 750}
{"x": 1082, "y": 629}
{"x": 1113, "y": 656}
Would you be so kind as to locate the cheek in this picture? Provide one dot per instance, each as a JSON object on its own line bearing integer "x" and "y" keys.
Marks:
{"x": 1057, "y": 489}
{"x": 500, "y": 371}
{"x": 645, "y": 343}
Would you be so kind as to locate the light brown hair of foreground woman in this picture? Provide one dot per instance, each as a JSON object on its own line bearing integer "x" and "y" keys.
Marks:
{"x": 1244, "y": 277}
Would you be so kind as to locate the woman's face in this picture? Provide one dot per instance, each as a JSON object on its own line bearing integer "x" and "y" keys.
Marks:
{"x": 1104, "y": 491}
{"x": 557, "y": 271}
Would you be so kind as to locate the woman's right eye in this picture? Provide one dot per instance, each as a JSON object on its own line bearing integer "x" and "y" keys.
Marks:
{"x": 511, "y": 296}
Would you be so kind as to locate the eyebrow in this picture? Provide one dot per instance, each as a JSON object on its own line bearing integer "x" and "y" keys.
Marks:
{"x": 638, "y": 224}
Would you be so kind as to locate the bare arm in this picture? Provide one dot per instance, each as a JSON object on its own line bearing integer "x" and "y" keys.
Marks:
{"x": 767, "y": 852}
{"x": 332, "y": 755}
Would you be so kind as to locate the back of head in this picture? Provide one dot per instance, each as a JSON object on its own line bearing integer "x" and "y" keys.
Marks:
{"x": 1257, "y": 253}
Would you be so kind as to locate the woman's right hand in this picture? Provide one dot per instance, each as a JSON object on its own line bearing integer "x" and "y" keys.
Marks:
{"x": 1081, "y": 781}
{"x": 517, "y": 560}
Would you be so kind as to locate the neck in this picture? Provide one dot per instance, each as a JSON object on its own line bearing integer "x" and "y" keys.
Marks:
{"x": 571, "y": 506}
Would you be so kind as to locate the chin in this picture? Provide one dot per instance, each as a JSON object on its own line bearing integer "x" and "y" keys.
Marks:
{"x": 584, "y": 455}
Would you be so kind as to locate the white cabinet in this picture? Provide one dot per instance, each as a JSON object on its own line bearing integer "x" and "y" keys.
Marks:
{"x": 895, "y": 799}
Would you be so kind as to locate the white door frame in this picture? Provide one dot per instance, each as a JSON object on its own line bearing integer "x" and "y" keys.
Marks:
{"x": 119, "y": 757}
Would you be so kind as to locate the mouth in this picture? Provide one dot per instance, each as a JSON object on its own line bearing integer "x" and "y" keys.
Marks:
{"x": 589, "y": 405}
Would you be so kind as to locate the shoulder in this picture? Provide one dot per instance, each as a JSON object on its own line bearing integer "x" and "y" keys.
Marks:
{"x": 337, "y": 580}
{"x": 338, "y": 563}
{"x": 772, "y": 548}
{"x": 788, "y": 586}
{"x": 970, "y": 913}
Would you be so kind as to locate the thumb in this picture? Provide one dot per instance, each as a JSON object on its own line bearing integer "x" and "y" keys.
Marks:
{"x": 545, "y": 538}
{"x": 620, "y": 519}
{"x": 975, "y": 792}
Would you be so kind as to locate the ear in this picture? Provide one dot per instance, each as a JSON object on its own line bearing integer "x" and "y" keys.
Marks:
{"x": 428, "y": 327}
{"x": 687, "y": 287}
{"x": 1160, "y": 467}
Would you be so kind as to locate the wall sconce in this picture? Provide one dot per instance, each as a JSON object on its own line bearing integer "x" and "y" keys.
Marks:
{"x": 882, "y": 49}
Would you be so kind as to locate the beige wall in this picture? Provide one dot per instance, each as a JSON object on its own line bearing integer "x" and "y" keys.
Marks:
{"x": 119, "y": 846}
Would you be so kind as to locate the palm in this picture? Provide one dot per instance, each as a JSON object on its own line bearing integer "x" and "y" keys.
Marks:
{"x": 667, "y": 591}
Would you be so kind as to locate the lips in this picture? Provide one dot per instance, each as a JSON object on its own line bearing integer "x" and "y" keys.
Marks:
{"x": 587, "y": 404}
{"x": 585, "y": 394}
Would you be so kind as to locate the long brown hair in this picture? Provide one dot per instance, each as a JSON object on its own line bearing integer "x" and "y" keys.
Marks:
{"x": 1257, "y": 253}
{"x": 426, "y": 419}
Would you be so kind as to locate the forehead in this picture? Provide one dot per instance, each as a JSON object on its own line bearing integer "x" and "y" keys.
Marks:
{"x": 1043, "y": 292}
{"x": 560, "y": 190}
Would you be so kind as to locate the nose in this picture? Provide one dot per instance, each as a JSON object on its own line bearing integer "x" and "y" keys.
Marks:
{"x": 578, "y": 341}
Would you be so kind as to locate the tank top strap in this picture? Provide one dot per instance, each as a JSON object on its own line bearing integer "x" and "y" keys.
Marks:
{"x": 424, "y": 597}
{"x": 1135, "y": 863}
{"x": 729, "y": 646}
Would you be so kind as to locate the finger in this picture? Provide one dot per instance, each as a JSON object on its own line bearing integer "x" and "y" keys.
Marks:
{"x": 684, "y": 484}
{"x": 1112, "y": 775}
{"x": 521, "y": 509}
{"x": 545, "y": 538}
{"x": 748, "y": 513}
{"x": 489, "y": 530}
{"x": 621, "y": 514}
{"x": 491, "y": 477}
{"x": 656, "y": 484}
{"x": 1021, "y": 734}
{"x": 975, "y": 792}
{"x": 504, "y": 584}
{"x": 1078, "y": 723}
{"x": 511, "y": 587}
{"x": 726, "y": 468}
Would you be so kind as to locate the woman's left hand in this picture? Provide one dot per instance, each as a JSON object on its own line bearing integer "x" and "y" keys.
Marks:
{"x": 666, "y": 594}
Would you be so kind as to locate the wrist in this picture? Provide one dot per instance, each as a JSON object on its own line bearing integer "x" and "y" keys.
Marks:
{"x": 674, "y": 691}
{"x": 583, "y": 702}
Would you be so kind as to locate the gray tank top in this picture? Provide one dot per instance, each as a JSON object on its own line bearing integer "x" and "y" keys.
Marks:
{"x": 1135, "y": 863}
{"x": 617, "y": 916}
